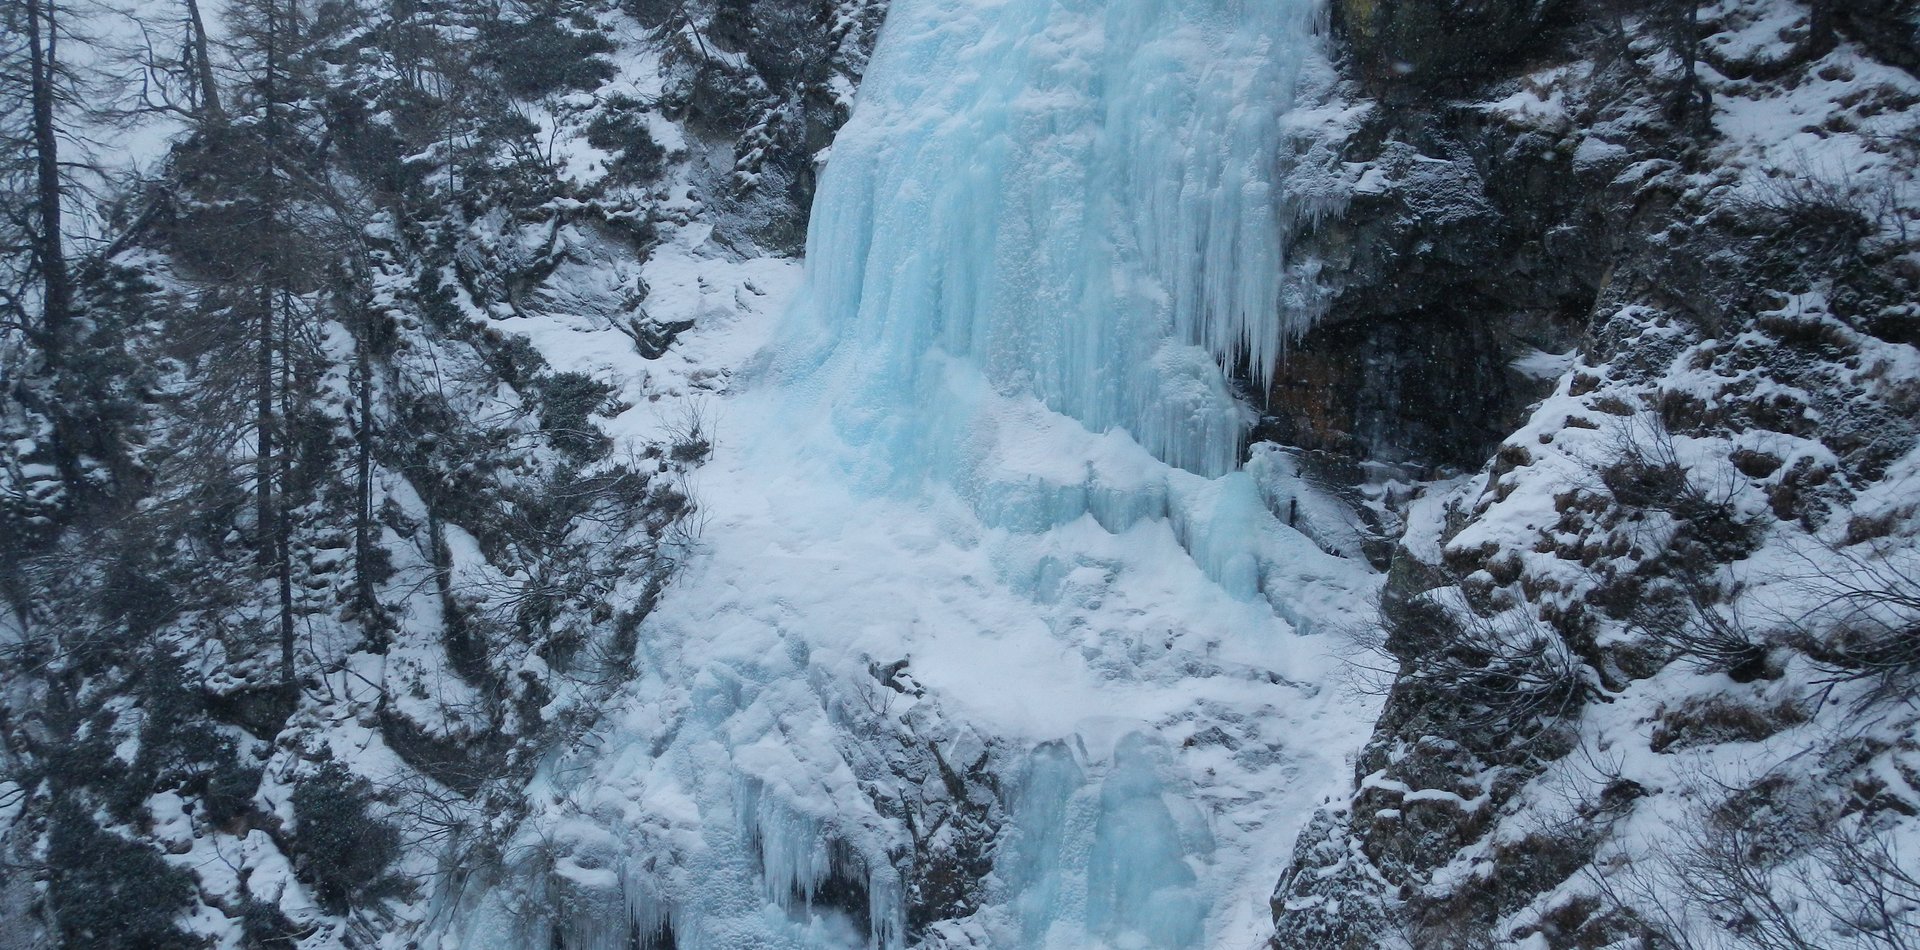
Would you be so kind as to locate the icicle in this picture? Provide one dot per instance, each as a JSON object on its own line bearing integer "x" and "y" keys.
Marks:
{"x": 800, "y": 856}
{"x": 1076, "y": 203}
{"x": 1096, "y": 853}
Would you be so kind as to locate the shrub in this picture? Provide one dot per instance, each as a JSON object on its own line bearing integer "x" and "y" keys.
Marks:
{"x": 181, "y": 750}
{"x": 264, "y": 927}
{"x": 1719, "y": 719}
{"x": 1867, "y": 626}
{"x": 782, "y": 40}
{"x": 1507, "y": 676}
{"x": 343, "y": 851}
{"x": 1756, "y": 870}
{"x": 566, "y": 400}
{"x": 619, "y": 130}
{"x": 1673, "y": 598}
{"x": 543, "y": 55}
{"x": 109, "y": 893}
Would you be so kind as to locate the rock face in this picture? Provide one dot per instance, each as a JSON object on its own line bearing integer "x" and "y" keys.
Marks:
{"x": 1397, "y": 44}
{"x": 1470, "y": 244}
{"x": 1630, "y": 268}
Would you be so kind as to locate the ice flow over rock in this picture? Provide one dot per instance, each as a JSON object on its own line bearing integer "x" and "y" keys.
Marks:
{"x": 1073, "y": 201}
{"x": 991, "y": 442}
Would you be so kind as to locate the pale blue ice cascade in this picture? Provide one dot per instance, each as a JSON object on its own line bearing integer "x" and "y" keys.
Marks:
{"x": 1078, "y": 201}
{"x": 1048, "y": 232}
{"x": 1047, "y": 228}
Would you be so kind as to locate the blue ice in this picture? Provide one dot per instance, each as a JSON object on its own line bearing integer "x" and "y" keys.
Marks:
{"x": 1046, "y": 229}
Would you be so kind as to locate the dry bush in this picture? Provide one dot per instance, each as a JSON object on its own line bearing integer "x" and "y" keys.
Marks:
{"x": 1865, "y": 624}
{"x": 1748, "y": 873}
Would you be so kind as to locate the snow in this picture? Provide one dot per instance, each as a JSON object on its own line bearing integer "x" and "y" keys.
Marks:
{"x": 1539, "y": 364}
{"x": 1829, "y": 132}
{"x": 1540, "y": 103}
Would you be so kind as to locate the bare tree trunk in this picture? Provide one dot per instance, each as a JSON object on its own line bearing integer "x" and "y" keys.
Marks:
{"x": 269, "y": 274}
{"x": 263, "y": 425}
{"x": 363, "y": 471}
{"x": 57, "y": 285}
{"x": 1823, "y": 32}
{"x": 283, "y": 523}
{"x": 203, "y": 66}
{"x": 275, "y": 503}
{"x": 1693, "y": 103}
{"x": 282, "y": 545}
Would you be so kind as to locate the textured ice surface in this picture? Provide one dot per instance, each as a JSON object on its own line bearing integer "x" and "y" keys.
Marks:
{"x": 1045, "y": 230}
{"x": 1076, "y": 202}
{"x": 991, "y": 437}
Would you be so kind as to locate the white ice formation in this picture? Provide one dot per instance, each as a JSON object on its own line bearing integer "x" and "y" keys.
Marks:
{"x": 993, "y": 437}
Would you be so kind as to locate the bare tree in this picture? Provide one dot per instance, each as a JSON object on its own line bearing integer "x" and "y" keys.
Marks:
{"x": 42, "y": 34}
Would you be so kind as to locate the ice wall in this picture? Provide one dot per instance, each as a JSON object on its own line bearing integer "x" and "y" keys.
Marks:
{"x": 993, "y": 436}
{"x": 1078, "y": 202}
{"x": 1101, "y": 860}
{"x": 1048, "y": 229}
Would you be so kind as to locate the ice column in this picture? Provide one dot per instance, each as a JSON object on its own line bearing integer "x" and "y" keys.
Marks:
{"x": 1069, "y": 201}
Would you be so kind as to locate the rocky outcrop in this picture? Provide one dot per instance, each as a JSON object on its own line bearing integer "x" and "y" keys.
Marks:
{"x": 1472, "y": 247}
{"x": 1706, "y": 340}
{"x": 1401, "y": 44}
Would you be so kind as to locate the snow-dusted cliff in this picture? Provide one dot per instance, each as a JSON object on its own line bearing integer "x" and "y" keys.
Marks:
{"x": 1652, "y": 667}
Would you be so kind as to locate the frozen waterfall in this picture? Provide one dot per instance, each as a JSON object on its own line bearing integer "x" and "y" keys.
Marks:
{"x": 991, "y": 443}
{"x": 1074, "y": 201}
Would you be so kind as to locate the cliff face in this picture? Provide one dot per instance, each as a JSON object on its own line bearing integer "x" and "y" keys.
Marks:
{"x": 1469, "y": 246}
{"x": 1650, "y": 664}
